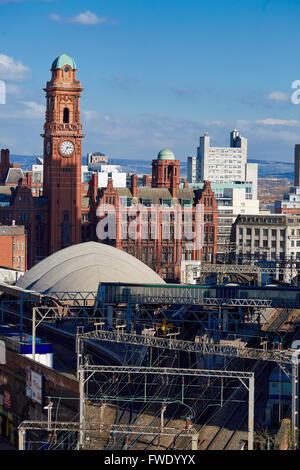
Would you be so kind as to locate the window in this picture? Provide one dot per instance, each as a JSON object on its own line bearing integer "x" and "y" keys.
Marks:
{"x": 166, "y": 202}
{"x": 65, "y": 230}
{"x": 186, "y": 203}
{"x": 147, "y": 202}
{"x": 66, "y": 115}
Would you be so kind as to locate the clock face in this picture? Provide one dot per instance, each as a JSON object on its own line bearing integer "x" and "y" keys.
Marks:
{"x": 67, "y": 148}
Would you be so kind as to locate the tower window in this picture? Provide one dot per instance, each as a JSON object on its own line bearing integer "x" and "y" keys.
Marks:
{"x": 66, "y": 115}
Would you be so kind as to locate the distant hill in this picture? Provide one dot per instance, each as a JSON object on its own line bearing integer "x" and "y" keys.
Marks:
{"x": 24, "y": 160}
{"x": 272, "y": 169}
{"x": 266, "y": 169}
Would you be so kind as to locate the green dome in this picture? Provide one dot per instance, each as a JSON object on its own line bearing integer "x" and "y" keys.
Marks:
{"x": 166, "y": 154}
{"x": 63, "y": 60}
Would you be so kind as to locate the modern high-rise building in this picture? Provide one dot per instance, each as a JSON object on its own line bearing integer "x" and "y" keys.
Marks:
{"x": 225, "y": 164}
{"x": 192, "y": 169}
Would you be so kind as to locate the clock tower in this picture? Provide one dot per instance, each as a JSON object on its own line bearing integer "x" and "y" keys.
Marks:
{"x": 62, "y": 154}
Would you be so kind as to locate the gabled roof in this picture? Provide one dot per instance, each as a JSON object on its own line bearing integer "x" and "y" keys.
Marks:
{"x": 123, "y": 192}
{"x": 156, "y": 194}
{"x": 12, "y": 176}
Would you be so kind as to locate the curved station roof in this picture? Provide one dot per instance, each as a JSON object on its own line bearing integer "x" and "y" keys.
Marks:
{"x": 80, "y": 268}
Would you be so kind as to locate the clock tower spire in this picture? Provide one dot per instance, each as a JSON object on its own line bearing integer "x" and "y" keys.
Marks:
{"x": 62, "y": 154}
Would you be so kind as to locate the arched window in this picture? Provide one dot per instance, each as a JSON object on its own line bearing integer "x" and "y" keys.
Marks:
{"x": 66, "y": 115}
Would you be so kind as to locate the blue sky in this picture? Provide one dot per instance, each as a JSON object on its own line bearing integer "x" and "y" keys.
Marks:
{"x": 156, "y": 73}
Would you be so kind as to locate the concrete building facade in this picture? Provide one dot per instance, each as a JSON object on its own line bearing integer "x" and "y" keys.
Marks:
{"x": 192, "y": 169}
{"x": 274, "y": 237}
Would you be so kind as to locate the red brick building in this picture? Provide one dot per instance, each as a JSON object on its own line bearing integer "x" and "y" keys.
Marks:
{"x": 13, "y": 247}
{"x": 164, "y": 225}
{"x": 69, "y": 211}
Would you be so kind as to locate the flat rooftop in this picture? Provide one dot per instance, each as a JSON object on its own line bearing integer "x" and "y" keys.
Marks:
{"x": 12, "y": 230}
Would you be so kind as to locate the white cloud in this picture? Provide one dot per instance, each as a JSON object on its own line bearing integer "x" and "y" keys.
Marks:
{"x": 90, "y": 115}
{"x": 86, "y": 18}
{"x": 279, "y": 96}
{"x": 184, "y": 91}
{"x": 13, "y": 70}
{"x": 13, "y": 89}
{"x": 33, "y": 110}
{"x": 55, "y": 17}
{"x": 278, "y": 122}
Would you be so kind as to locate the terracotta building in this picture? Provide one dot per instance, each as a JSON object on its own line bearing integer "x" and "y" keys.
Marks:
{"x": 164, "y": 225}
{"x": 69, "y": 211}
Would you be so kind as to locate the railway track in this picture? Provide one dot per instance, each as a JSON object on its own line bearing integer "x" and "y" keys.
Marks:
{"x": 225, "y": 436}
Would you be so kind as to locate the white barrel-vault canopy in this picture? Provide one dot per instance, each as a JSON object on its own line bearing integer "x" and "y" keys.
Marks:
{"x": 80, "y": 268}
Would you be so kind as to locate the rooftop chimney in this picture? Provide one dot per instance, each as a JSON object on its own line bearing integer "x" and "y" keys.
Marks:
{"x": 134, "y": 184}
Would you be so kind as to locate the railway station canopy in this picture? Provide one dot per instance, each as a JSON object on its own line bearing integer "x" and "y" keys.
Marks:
{"x": 80, "y": 268}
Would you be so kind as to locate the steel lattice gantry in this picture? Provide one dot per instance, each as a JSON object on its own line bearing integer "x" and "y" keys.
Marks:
{"x": 86, "y": 371}
{"x": 96, "y": 428}
{"x": 288, "y": 360}
{"x": 252, "y": 269}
